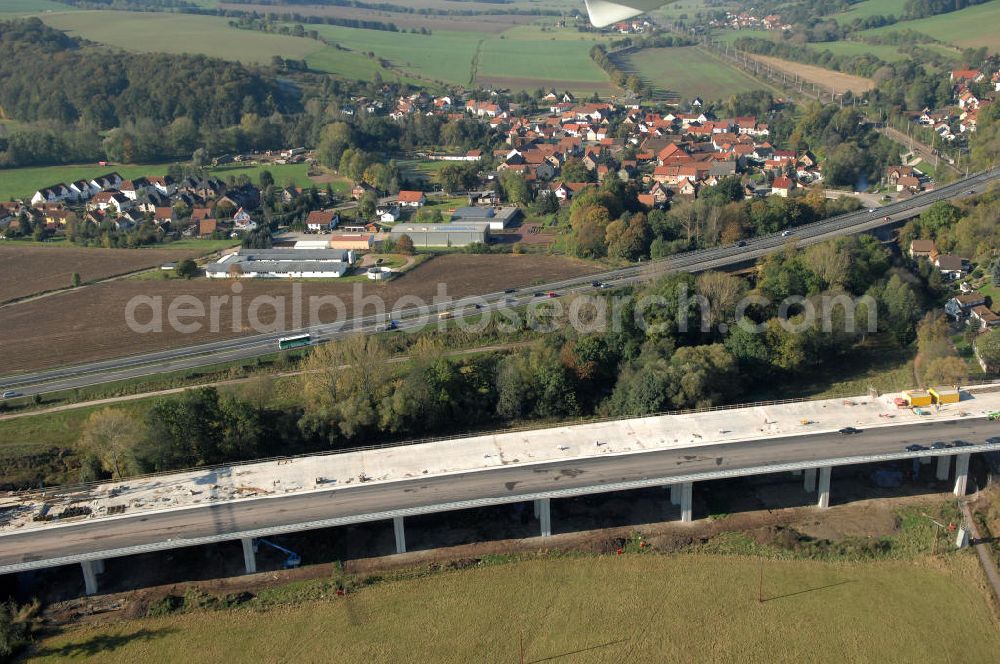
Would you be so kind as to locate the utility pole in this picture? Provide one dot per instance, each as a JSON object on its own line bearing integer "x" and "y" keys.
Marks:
{"x": 760, "y": 583}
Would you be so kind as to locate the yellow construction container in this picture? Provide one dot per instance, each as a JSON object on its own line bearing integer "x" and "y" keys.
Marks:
{"x": 918, "y": 398}
{"x": 943, "y": 395}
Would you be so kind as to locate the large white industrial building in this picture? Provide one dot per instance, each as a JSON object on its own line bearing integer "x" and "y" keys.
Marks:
{"x": 282, "y": 264}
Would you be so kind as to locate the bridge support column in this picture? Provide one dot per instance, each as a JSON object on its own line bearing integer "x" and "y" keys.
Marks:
{"x": 824, "y": 486}
{"x": 943, "y": 467}
{"x": 91, "y": 568}
{"x": 249, "y": 557}
{"x": 675, "y": 494}
{"x": 544, "y": 514}
{"x": 687, "y": 498}
{"x": 961, "y": 474}
{"x": 397, "y": 529}
{"x": 809, "y": 480}
{"x": 925, "y": 461}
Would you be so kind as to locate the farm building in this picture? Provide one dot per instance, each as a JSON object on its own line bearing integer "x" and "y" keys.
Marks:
{"x": 322, "y": 221}
{"x": 411, "y": 198}
{"x": 352, "y": 241}
{"x": 282, "y": 264}
{"x": 498, "y": 219}
{"x": 443, "y": 235}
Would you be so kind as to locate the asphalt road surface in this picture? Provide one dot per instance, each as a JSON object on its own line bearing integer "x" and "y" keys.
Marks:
{"x": 693, "y": 261}
{"x": 171, "y": 529}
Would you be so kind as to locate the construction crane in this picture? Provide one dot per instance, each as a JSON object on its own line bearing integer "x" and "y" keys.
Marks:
{"x": 605, "y": 12}
{"x": 292, "y": 560}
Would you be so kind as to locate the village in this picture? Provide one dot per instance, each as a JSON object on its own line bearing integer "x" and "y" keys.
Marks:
{"x": 559, "y": 147}
{"x": 972, "y": 92}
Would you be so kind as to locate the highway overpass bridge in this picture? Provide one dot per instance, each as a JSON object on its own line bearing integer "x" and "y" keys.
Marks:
{"x": 91, "y": 523}
{"x": 716, "y": 258}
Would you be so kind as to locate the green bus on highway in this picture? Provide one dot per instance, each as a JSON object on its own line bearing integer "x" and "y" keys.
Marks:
{"x": 284, "y": 343}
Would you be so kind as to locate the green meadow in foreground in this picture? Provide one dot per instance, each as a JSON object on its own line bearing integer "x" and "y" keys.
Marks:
{"x": 629, "y": 608}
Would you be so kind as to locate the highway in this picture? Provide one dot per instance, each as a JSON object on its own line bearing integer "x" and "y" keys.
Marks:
{"x": 248, "y": 347}
{"x": 111, "y": 537}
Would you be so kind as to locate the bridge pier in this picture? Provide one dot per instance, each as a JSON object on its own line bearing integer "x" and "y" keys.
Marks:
{"x": 943, "y": 467}
{"x": 400, "y": 533}
{"x": 249, "y": 556}
{"x": 809, "y": 480}
{"x": 91, "y": 568}
{"x": 824, "y": 486}
{"x": 687, "y": 498}
{"x": 675, "y": 494}
{"x": 961, "y": 474}
{"x": 543, "y": 513}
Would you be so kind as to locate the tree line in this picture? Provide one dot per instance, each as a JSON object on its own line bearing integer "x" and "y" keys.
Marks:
{"x": 691, "y": 351}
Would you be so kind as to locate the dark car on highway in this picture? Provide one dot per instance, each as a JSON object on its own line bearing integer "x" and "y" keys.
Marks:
{"x": 915, "y": 448}
{"x": 847, "y": 431}
{"x": 940, "y": 446}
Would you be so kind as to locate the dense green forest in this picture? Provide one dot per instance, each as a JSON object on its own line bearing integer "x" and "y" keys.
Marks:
{"x": 165, "y": 105}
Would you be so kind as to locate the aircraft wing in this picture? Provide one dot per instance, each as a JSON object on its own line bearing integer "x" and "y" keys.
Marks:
{"x": 606, "y": 12}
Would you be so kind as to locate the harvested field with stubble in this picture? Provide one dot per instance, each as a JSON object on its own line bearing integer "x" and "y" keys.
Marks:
{"x": 824, "y": 78}
{"x": 26, "y": 270}
{"x": 631, "y": 608}
{"x": 89, "y": 323}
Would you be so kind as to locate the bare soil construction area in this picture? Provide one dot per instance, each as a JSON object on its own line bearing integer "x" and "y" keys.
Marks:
{"x": 824, "y": 78}
{"x": 89, "y": 323}
{"x": 27, "y": 270}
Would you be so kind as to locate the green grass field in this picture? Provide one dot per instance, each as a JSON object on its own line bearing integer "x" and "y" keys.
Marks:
{"x": 444, "y": 56}
{"x": 524, "y": 57}
{"x": 23, "y": 182}
{"x": 970, "y": 27}
{"x": 181, "y": 33}
{"x": 10, "y": 8}
{"x": 885, "y": 52}
{"x": 627, "y": 608}
{"x": 535, "y": 61}
{"x": 690, "y": 72}
{"x": 871, "y": 8}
